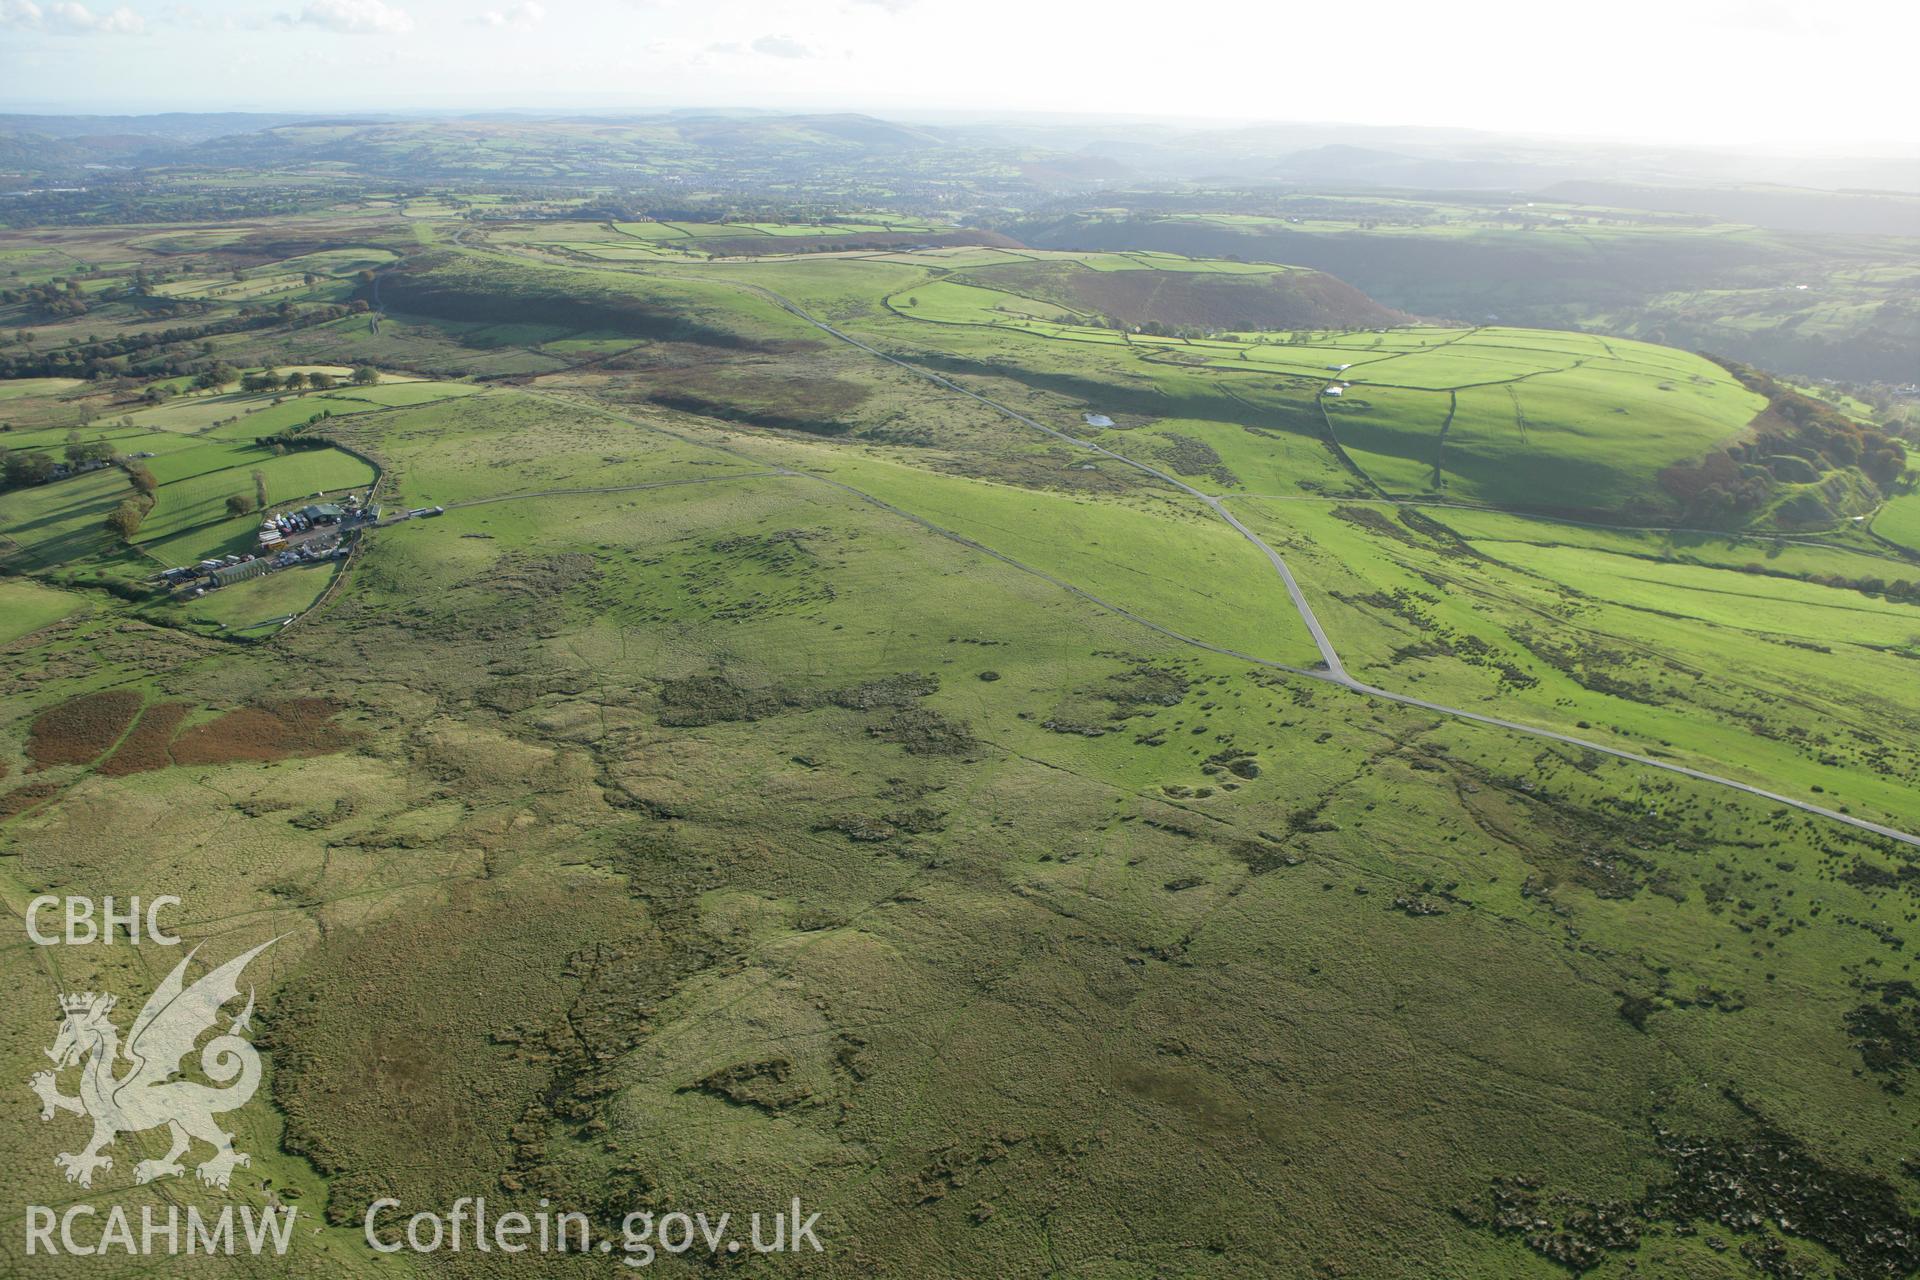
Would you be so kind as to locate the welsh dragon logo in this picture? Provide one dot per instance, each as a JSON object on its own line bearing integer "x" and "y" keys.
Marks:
{"x": 147, "y": 1095}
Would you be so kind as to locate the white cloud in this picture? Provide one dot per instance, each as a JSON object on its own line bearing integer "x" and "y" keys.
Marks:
{"x": 1775, "y": 17}
{"x": 891, "y": 6}
{"x": 353, "y": 18}
{"x": 522, "y": 16}
{"x": 68, "y": 17}
{"x": 766, "y": 46}
{"x": 781, "y": 47}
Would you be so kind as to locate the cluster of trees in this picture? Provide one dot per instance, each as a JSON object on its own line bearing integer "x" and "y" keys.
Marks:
{"x": 124, "y": 521}
{"x": 1719, "y": 487}
{"x": 1159, "y": 330}
{"x": 363, "y": 375}
{"x": 140, "y": 291}
{"x": 270, "y": 380}
{"x": 241, "y": 504}
{"x": 20, "y": 468}
{"x": 159, "y": 353}
{"x": 24, "y": 467}
{"x": 78, "y": 451}
{"x": 215, "y": 376}
{"x": 286, "y": 441}
{"x": 1797, "y": 440}
{"x": 1835, "y": 439}
{"x": 221, "y": 374}
{"x": 1827, "y": 440}
{"x": 55, "y": 300}
{"x": 163, "y": 307}
{"x": 162, "y": 353}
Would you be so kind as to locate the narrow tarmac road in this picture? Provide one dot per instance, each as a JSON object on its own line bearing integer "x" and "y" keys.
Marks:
{"x": 1335, "y": 672}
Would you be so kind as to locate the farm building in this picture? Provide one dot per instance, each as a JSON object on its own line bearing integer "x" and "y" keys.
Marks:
{"x": 322, "y": 513}
{"x": 1331, "y": 391}
{"x": 228, "y": 574}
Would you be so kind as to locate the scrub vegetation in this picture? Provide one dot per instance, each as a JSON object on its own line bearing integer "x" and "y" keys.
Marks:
{"x": 806, "y": 756}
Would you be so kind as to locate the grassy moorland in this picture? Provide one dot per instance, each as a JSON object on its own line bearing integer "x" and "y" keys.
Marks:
{"x": 780, "y": 772}
{"x": 1511, "y": 417}
{"x": 1830, "y": 303}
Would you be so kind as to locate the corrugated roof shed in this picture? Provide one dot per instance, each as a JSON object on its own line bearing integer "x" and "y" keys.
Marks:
{"x": 228, "y": 574}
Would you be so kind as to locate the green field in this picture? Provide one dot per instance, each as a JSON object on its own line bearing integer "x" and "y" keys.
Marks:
{"x": 394, "y": 394}
{"x": 55, "y": 523}
{"x": 26, "y": 606}
{"x": 22, "y": 388}
{"x": 839, "y": 763}
{"x": 1551, "y": 421}
{"x": 1900, "y": 522}
{"x": 199, "y": 500}
{"x": 257, "y": 608}
{"x": 1831, "y": 305}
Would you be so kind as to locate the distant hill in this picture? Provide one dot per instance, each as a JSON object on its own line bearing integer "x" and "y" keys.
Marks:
{"x": 1772, "y": 298}
{"x": 730, "y": 149}
{"x": 59, "y": 143}
{"x": 1341, "y": 165}
{"x": 1056, "y": 151}
{"x": 1777, "y": 208}
{"x": 171, "y": 127}
{"x": 1452, "y": 159}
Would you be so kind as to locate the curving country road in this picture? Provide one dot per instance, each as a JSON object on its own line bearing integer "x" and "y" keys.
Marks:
{"x": 1335, "y": 672}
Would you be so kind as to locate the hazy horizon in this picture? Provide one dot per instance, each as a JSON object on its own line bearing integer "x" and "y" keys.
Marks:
{"x": 959, "y": 118}
{"x": 1728, "y": 73}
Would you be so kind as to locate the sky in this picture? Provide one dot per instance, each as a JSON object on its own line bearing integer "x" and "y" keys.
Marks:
{"x": 1779, "y": 74}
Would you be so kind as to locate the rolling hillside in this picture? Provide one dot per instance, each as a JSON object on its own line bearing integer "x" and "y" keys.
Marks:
{"x": 981, "y": 740}
{"x": 1836, "y": 305}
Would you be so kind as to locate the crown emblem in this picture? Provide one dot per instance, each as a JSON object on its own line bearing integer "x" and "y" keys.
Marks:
{"x": 79, "y": 1003}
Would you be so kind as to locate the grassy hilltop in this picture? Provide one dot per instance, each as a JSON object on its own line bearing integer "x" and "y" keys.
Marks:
{"x": 798, "y": 762}
{"x": 1719, "y": 271}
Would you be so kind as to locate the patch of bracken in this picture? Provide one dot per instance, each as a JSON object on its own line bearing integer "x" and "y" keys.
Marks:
{"x": 284, "y": 729}
{"x": 79, "y": 730}
{"x": 150, "y": 744}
